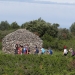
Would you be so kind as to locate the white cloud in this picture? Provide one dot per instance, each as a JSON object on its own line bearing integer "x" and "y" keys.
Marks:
{"x": 24, "y": 11}
{"x": 59, "y": 1}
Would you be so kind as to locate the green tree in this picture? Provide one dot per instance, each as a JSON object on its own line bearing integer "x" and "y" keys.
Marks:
{"x": 72, "y": 28}
{"x": 41, "y": 27}
{"x": 4, "y": 25}
{"x": 55, "y": 25}
{"x": 24, "y": 25}
{"x": 64, "y": 34}
{"x": 52, "y": 31}
{"x": 38, "y": 26}
{"x": 14, "y": 25}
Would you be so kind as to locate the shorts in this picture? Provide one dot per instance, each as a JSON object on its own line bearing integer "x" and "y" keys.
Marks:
{"x": 65, "y": 54}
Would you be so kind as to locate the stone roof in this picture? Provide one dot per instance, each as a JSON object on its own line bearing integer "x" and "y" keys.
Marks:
{"x": 22, "y": 36}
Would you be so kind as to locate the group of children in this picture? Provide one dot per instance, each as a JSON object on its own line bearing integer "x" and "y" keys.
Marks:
{"x": 26, "y": 50}
{"x": 70, "y": 50}
{"x": 49, "y": 51}
{"x": 22, "y": 49}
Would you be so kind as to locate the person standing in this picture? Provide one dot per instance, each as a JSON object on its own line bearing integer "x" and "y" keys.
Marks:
{"x": 16, "y": 48}
{"x": 43, "y": 50}
{"x": 50, "y": 51}
{"x": 72, "y": 52}
{"x": 27, "y": 48}
{"x": 36, "y": 50}
{"x": 65, "y": 52}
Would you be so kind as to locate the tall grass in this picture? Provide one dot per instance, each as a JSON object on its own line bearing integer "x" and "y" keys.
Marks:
{"x": 55, "y": 64}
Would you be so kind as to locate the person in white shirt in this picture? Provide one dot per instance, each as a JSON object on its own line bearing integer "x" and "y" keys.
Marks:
{"x": 65, "y": 52}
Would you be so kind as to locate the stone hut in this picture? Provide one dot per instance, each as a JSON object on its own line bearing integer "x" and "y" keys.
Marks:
{"x": 23, "y": 37}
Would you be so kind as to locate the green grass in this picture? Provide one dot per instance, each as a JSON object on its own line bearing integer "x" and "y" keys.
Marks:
{"x": 55, "y": 64}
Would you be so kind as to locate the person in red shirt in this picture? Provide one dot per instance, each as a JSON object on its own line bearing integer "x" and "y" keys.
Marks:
{"x": 20, "y": 50}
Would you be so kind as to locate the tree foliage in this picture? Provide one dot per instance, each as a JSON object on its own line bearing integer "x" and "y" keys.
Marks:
{"x": 51, "y": 34}
{"x": 41, "y": 27}
{"x": 64, "y": 34}
{"x": 4, "y": 25}
{"x": 37, "y": 64}
{"x": 72, "y": 28}
{"x": 14, "y": 25}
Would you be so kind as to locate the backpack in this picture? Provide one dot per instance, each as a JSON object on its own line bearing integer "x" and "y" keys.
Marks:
{"x": 23, "y": 50}
{"x": 51, "y": 52}
{"x": 37, "y": 51}
{"x": 29, "y": 49}
{"x": 73, "y": 53}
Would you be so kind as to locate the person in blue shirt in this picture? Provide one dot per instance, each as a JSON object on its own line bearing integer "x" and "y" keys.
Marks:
{"x": 42, "y": 50}
{"x": 36, "y": 50}
{"x": 50, "y": 51}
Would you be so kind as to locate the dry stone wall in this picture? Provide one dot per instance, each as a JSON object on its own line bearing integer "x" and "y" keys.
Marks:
{"x": 23, "y": 37}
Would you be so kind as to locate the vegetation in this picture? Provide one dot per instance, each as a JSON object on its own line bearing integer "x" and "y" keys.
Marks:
{"x": 37, "y": 64}
{"x": 53, "y": 37}
{"x": 51, "y": 34}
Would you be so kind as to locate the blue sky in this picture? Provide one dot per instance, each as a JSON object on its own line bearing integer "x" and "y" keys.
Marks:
{"x": 53, "y": 11}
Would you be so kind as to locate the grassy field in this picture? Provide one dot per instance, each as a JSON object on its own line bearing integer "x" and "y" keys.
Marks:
{"x": 55, "y": 64}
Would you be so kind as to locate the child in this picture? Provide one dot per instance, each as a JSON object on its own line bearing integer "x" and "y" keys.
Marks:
{"x": 72, "y": 52}
{"x": 65, "y": 52}
{"x": 50, "y": 51}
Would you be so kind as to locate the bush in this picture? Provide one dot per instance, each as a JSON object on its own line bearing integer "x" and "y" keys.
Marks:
{"x": 0, "y": 45}
{"x": 34, "y": 64}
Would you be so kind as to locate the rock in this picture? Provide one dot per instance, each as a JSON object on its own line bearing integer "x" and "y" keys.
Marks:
{"x": 23, "y": 37}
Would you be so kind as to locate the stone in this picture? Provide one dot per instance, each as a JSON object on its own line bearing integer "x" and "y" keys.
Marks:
{"x": 23, "y": 37}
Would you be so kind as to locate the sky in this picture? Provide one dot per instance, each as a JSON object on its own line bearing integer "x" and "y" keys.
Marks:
{"x": 52, "y": 11}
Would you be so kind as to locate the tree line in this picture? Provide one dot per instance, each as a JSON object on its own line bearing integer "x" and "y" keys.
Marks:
{"x": 51, "y": 34}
